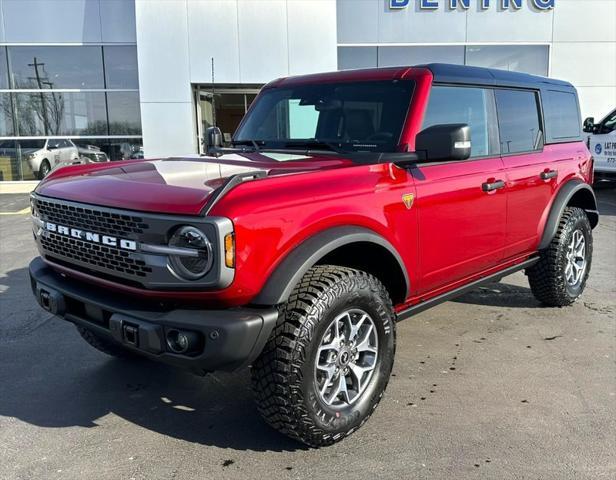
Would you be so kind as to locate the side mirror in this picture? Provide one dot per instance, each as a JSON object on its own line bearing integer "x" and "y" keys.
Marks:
{"x": 52, "y": 147}
{"x": 213, "y": 138}
{"x": 444, "y": 142}
{"x": 589, "y": 125}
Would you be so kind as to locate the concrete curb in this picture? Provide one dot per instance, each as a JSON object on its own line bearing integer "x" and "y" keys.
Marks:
{"x": 18, "y": 187}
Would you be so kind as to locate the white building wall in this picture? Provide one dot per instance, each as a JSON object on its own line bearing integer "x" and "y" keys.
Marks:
{"x": 251, "y": 42}
{"x": 67, "y": 21}
{"x": 164, "y": 77}
{"x": 584, "y": 52}
{"x": 581, "y": 35}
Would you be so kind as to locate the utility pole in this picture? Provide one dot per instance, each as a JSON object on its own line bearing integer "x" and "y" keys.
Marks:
{"x": 213, "y": 96}
{"x": 40, "y": 82}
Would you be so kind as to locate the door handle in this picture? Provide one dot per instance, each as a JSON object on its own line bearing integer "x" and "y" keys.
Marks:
{"x": 491, "y": 186}
{"x": 548, "y": 174}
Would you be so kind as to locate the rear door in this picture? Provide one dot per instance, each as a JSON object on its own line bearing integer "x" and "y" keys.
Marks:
{"x": 534, "y": 170}
{"x": 461, "y": 204}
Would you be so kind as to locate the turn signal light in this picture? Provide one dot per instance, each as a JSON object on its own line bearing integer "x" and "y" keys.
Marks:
{"x": 230, "y": 250}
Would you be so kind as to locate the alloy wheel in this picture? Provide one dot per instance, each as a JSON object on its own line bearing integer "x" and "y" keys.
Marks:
{"x": 576, "y": 259}
{"x": 346, "y": 358}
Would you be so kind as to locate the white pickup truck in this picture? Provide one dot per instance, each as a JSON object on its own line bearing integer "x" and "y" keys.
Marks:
{"x": 602, "y": 145}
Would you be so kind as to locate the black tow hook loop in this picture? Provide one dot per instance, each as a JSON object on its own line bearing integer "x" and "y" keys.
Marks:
{"x": 51, "y": 300}
{"x": 131, "y": 334}
{"x": 45, "y": 300}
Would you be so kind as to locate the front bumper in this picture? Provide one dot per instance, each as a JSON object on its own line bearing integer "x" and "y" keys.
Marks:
{"x": 227, "y": 339}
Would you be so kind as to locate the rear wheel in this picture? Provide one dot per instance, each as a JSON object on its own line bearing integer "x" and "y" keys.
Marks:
{"x": 328, "y": 361}
{"x": 560, "y": 275}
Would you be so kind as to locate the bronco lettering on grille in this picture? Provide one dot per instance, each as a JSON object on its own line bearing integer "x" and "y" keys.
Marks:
{"x": 91, "y": 236}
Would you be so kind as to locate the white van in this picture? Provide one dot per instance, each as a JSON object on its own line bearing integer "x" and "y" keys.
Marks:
{"x": 602, "y": 145}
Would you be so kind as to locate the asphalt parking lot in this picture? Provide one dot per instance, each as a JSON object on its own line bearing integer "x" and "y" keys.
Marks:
{"x": 490, "y": 386}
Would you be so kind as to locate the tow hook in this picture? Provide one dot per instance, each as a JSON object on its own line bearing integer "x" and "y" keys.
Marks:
{"x": 50, "y": 300}
{"x": 131, "y": 334}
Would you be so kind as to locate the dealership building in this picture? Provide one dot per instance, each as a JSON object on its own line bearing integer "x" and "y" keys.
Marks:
{"x": 147, "y": 77}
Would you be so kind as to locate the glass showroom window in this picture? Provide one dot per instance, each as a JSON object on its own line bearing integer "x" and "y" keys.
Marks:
{"x": 393, "y": 56}
{"x": 56, "y": 67}
{"x": 124, "y": 114}
{"x": 121, "y": 66}
{"x": 519, "y": 58}
{"x": 60, "y": 113}
{"x": 85, "y": 97}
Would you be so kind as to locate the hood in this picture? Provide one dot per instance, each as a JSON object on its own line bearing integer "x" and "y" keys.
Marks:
{"x": 171, "y": 185}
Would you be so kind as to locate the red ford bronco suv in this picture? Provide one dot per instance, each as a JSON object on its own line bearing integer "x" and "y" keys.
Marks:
{"x": 346, "y": 202}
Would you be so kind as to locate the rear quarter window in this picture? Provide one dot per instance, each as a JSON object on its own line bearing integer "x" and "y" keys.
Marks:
{"x": 562, "y": 116}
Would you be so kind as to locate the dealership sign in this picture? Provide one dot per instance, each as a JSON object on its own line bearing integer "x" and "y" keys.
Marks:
{"x": 466, "y": 4}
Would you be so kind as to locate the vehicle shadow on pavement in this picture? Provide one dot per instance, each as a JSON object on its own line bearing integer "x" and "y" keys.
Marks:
{"x": 606, "y": 198}
{"x": 500, "y": 295}
{"x": 51, "y": 378}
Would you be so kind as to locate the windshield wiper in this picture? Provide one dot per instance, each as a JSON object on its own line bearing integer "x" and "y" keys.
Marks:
{"x": 316, "y": 144}
{"x": 253, "y": 143}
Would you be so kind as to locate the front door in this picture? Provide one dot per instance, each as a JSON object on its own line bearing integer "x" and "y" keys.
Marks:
{"x": 461, "y": 204}
{"x": 54, "y": 147}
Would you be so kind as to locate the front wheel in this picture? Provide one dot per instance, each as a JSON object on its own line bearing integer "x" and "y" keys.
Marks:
{"x": 560, "y": 275}
{"x": 328, "y": 361}
{"x": 44, "y": 169}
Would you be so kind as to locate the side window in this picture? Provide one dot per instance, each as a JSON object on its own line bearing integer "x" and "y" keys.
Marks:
{"x": 470, "y": 105}
{"x": 518, "y": 121}
{"x": 562, "y": 117}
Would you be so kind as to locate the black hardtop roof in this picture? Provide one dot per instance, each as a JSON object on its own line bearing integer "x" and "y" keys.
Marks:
{"x": 448, "y": 73}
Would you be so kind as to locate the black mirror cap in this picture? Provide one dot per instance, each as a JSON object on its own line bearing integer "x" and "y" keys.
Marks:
{"x": 213, "y": 138}
{"x": 589, "y": 125}
{"x": 445, "y": 142}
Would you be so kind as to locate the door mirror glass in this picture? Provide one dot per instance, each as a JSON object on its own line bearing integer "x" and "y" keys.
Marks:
{"x": 444, "y": 142}
{"x": 589, "y": 125}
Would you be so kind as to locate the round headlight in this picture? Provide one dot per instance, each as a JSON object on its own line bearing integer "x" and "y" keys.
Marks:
{"x": 196, "y": 257}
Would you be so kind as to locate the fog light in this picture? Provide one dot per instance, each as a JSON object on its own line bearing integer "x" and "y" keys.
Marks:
{"x": 182, "y": 342}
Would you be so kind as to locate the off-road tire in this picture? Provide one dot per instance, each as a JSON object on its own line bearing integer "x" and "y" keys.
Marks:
{"x": 547, "y": 277}
{"x": 283, "y": 375}
{"x": 104, "y": 345}
{"x": 43, "y": 172}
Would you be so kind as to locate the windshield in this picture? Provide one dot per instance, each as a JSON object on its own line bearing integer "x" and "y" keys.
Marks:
{"x": 609, "y": 124}
{"x": 350, "y": 116}
{"x": 33, "y": 144}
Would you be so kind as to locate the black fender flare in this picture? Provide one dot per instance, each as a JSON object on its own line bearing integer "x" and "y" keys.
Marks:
{"x": 292, "y": 268}
{"x": 562, "y": 200}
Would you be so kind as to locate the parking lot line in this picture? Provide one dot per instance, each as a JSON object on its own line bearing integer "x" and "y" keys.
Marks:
{"x": 20, "y": 212}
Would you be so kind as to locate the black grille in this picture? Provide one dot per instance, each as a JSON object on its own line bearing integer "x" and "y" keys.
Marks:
{"x": 91, "y": 219}
{"x": 99, "y": 256}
